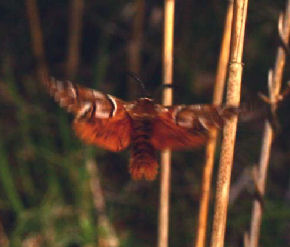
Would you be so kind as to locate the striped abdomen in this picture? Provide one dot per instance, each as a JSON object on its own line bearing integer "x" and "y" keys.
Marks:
{"x": 143, "y": 161}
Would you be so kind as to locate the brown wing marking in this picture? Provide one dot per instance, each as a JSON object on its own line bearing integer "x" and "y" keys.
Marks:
{"x": 181, "y": 127}
{"x": 100, "y": 119}
{"x": 78, "y": 99}
{"x": 209, "y": 116}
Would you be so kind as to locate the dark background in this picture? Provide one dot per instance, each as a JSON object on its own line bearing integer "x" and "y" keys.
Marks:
{"x": 42, "y": 163}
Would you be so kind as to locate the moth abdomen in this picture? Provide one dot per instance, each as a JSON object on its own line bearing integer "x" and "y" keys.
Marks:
{"x": 143, "y": 162}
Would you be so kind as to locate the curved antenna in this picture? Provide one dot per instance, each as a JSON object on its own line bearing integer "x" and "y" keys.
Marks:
{"x": 144, "y": 92}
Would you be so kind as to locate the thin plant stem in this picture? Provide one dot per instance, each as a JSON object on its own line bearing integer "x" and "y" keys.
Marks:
{"x": 200, "y": 239}
{"x": 167, "y": 100}
{"x": 274, "y": 86}
{"x": 229, "y": 132}
{"x": 75, "y": 29}
{"x": 107, "y": 236}
{"x": 135, "y": 44}
{"x": 36, "y": 38}
{"x": 8, "y": 183}
{"x": 3, "y": 237}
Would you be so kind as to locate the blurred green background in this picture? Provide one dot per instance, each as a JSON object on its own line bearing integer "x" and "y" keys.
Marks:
{"x": 45, "y": 195}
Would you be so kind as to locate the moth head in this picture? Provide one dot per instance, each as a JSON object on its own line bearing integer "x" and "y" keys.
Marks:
{"x": 141, "y": 108}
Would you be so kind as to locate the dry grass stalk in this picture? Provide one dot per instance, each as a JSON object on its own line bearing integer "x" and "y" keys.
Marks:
{"x": 229, "y": 132}
{"x": 274, "y": 86}
{"x": 74, "y": 39}
{"x": 107, "y": 236}
{"x": 3, "y": 237}
{"x": 33, "y": 241}
{"x": 200, "y": 240}
{"x": 36, "y": 38}
{"x": 167, "y": 100}
{"x": 241, "y": 184}
{"x": 135, "y": 44}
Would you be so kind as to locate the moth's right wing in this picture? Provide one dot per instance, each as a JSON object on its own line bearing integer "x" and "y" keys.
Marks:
{"x": 100, "y": 119}
{"x": 188, "y": 126}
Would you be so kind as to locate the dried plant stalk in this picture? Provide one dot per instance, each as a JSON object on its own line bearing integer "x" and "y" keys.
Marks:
{"x": 200, "y": 240}
{"x": 108, "y": 238}
{"x": 3, "y": 237}
{"x": 229, "y": 132}
{"x": 37, "y": 38}
{"x": 75, "y": 29}
{"x": 135, "y": 44}
{"x": 167, "y": 100}
{"x": 275, "y": 81}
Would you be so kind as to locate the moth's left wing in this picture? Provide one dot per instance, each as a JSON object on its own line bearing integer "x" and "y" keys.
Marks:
{"x": 100, "y": 119}
{"x": 181, "y": 127}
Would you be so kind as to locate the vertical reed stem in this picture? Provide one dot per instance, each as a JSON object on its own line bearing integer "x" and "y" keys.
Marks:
{"x": 167, "y": 100}
{"x": 74, "y": 38}
{"x": 3, "y": 237}
{"x": 274, "y": 84}
{"x": 107, "y": 235}
{"x": 200, "y": 240}
{"x": 36, "y": 38}
{"x": 135, "y": 44}
{"x": 229, "y": 133}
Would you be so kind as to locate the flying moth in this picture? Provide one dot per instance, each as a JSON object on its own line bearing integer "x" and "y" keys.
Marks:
{"x": 142, "y": 125}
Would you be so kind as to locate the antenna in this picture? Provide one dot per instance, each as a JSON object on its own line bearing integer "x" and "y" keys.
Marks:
{"x": 141, "y": 83}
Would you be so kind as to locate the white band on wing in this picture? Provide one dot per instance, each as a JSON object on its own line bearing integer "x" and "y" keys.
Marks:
{"x": 84, "y": 109}
{"x": 114, "y": 103}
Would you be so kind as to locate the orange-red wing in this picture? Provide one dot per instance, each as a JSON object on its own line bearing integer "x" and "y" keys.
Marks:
{"x": 111, "y": 131}
{"x": 166, "y": 134}
{"x": 188, "y": 126}
{"x": 112, "y": 134}
{"x": 100, "y": 119}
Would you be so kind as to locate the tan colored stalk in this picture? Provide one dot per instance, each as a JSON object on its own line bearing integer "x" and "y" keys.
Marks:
{"x": 229, "y": 132}
{"x": 32, "y": 241}
{"x": 36, "y": 38}
{"x": 167, "y": 100}
{"x": 274, "y": 86}
{"x": 74, "y": 38}
{"x": 107, "y": 234}
{"x": 135, "y": 44}
{"x": 3, "y": 237}
{"x": 200, "y": 239}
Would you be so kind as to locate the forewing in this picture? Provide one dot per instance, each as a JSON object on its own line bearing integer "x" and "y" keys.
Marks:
{"x": 80, "y": 100}
{"x": 100, "y": 119}
{"x": 112, "y": 134}
{"x": 181, "y": 127}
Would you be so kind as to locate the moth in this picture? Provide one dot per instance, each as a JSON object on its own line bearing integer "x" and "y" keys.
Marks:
{"x": 142, "y": 125}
